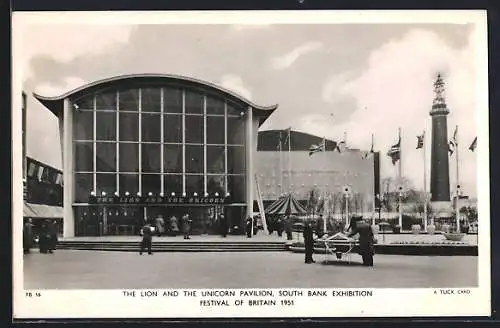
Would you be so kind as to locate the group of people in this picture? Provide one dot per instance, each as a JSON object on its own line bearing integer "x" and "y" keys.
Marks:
{"x": 357, "y": 227}
{"x": 47, "y": 236}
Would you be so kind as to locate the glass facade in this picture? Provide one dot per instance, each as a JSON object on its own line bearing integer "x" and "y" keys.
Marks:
{"x": 158, "y": 140}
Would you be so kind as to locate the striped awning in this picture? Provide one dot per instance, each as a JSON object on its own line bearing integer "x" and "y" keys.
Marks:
{"x": 285, "y": 206}
{"x": 42, "y": 211}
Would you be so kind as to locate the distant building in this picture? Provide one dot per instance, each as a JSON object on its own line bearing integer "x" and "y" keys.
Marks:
{"x": 325, "y": 173}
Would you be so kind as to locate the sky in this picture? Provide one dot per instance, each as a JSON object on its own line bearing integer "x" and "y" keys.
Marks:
{"x": 328, "y": 79}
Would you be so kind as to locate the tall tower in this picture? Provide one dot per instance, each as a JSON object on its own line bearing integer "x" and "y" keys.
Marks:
{"x": 440, "y": 174}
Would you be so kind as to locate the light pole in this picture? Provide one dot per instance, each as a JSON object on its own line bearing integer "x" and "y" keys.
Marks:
{"x": 400, "y": 195}
{"x": 457, "y": 216}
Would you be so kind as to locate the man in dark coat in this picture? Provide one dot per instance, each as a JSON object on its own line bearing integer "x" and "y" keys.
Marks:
{"x": 52, "y": 245}
{"x": 224, "y": 225}
{"x": 279, "y": 226}
{"x": 43, "y": 240}
{"x": 366, "y": 239}
{"x": 308, "y": 242}
{"x": 27, "y": 236}
{"x": 147, "y": 238}
{"x": 288, "y": 228}
{"x": 186, "y": 226}
{"x": 248, "y": 227}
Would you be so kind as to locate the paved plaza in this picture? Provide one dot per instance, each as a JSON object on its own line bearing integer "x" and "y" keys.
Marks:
{"x": 72, "y": 269}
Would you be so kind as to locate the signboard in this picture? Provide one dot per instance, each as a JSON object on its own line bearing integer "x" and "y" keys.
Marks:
{"x": 156, "y": 200}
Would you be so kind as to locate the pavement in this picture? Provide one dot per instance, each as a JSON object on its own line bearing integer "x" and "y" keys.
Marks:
{"x": 264, "y": 237}
{"x": 72, "y": 269}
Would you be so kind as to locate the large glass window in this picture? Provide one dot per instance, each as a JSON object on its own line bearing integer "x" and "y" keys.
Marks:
{"x": 215, "y": 159}
{"x": 129, "y": 127}
{"x": 106, "y": 100}
{"x": 84, "y": 185}
{"x": 194, "y": 159}
{"x": 105, "y": 126}
{"x": 173, "y": 183}
{"x": 172, "y": 128}
{"x": 201, "y": 134}
{"x": 194, "y": 102}
{"x": 105, "y": 157}
{"x": 194, "y": 129}
{"x": 129, "y": 157}
{"x": 129, "y": 100}
{"x": 151, "y": 127}
{"x": 151, "y": 158}
{"x": 172, "y": 100}
{"x": 151, "y": 100}
{"x": 194, "y": 184}
{"x": 105, "y": 182}
{"x": 151, "y": 183}
{"x": 129, "y": 183}
{"x": 83, "y": 125}
{"x": 172, "y": 159}
{"x": 84, "y": 161}
{"x": 215, "y": 130}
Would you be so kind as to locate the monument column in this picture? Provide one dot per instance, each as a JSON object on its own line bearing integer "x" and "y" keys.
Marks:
{"x": 440, "y": 175}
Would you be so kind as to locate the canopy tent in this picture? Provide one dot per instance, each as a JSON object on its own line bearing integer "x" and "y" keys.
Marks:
{"x": 286, "y": 205}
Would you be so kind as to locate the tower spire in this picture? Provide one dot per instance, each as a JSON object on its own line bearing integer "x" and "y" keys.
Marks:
{"x": 439, "y": 102}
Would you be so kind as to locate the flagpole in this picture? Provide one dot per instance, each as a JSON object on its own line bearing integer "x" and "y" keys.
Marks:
{"x": 374, "y": 200}
{"x": 289, "y": 160}
{"x": 425, "y": 185}
{"x": 400, "y": 181}
{"x": 281, "y": 166}
{"x": 326, "y": 165}
{"x": 457, "y": 218}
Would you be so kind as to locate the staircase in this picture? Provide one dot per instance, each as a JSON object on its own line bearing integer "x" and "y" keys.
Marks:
{"x": 176, "y": 246}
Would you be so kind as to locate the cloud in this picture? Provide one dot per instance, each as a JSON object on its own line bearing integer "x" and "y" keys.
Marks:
{"x": 396, "y": 90}
{"x": 235, "y": 84}
{"x": 52, "y": 89}
{"x": 71, "y": 41}
{"x": 337, "y": 86}
{"x": 287, "y": 60}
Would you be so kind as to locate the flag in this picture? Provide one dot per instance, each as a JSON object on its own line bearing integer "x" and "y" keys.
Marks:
{"x": 366, "y": 154}
{"x": 317, "y": 148}
{"x": 395, "y": 152}
{"x": 420, "y": 141}
{"x": 473, "y": 145}
{"x": 59, "y": 179}
{"x": 452, "y": 145}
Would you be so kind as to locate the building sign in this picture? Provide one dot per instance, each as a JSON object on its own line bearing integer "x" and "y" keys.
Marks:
{"x": 156, "y": 200}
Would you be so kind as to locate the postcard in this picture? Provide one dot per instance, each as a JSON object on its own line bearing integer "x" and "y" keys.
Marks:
{"x": 250, "y": 164}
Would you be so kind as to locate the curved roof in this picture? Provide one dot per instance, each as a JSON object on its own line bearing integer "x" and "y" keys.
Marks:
{"x": 55, "y": 103}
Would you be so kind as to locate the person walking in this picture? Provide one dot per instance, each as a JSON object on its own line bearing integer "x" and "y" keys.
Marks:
{"x": 308, "y": 242}
{"x": 53, "y": 232}
{"x": 366, "y": 239}
{"x": 186, "y": 226}
{"x": 147, "y": 239}
{"x": 27, "y": 236}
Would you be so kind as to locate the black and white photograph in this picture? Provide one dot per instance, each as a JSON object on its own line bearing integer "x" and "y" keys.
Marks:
{"x": 258, "y": 164}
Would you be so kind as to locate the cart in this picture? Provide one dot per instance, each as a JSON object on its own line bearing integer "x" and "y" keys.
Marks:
{"x": 339, "y": 245}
